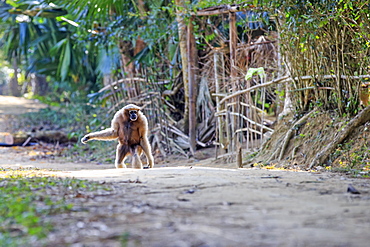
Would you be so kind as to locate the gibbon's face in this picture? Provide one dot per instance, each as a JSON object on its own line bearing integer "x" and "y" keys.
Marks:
{"x": 133, "y": 115}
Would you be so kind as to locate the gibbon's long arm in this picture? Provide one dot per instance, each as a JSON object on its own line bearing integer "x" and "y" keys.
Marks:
{"x": 108, "y": 134}
{"x": 104, "y": 135}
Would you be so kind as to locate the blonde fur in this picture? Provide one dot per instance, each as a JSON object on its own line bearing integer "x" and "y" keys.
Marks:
{"x": 132, "y": 137}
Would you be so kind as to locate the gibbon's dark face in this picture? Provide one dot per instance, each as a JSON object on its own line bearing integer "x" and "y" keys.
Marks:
{"x": 133, "y": 115}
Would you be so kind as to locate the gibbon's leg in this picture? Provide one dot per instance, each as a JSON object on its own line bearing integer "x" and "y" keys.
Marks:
{"x": 121, "y": 154}
{"x": 140, "y": 152}
{"x": 144, "y": 143}
{"x": 104, "y": 135}
{"x": 136, "y": 161}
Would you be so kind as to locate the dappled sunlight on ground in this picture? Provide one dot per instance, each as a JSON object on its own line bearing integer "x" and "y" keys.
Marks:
{"x": 16, "y": 105}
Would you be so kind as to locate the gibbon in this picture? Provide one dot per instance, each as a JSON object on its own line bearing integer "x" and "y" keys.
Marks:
{"x": 130, "y": 126}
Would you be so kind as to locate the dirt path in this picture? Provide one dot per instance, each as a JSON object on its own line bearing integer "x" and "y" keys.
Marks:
{"x": 203, "y": 206}
{"x": 16, "y": 105}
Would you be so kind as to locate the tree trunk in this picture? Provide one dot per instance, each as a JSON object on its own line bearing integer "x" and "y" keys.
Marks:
{"x": 14, "y": 87}
{"x": 181, "y": 25}
{"x": 127, "y": 51}
{"x": 23, "y": 138}
{"x": 39, "y": 84}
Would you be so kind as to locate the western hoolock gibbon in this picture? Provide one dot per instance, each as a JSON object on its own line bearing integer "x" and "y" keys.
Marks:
{"x": 130, "y": 126}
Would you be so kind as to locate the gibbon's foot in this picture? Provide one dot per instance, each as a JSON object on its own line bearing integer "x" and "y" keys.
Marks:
{"x": 118, "y": 166}
{"x": 151, "y": 164}
{"x": 85, "y": 139}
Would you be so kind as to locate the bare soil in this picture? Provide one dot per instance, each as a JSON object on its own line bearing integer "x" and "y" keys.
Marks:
{"x": 204, "y": 203}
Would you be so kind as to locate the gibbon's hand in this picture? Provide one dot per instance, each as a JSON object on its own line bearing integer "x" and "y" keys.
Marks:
{"x": 85, "y": 139}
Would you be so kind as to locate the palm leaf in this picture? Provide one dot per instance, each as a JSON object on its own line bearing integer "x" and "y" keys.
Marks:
{"x": 56, "y": 48}
{"x": 66, "y": 61}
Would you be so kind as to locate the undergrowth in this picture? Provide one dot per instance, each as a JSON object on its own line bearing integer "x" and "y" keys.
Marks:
{"x": 75, "y": 120}
{"x": 352, "y": 156}
{"x": 27, "y": 199}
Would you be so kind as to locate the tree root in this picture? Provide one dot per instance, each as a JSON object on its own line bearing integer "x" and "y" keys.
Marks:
{"x": 289, "y": 134}
{"x": 360, "y": 119}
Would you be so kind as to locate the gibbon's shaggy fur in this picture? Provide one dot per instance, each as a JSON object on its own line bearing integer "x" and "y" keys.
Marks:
{"x": 130, "y": 126}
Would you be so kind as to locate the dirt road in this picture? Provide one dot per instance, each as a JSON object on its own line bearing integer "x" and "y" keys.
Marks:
{"x": 203, "y": 206}
{"x": 241, "y": 207}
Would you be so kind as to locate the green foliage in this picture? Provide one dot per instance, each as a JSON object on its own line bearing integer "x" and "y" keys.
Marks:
{"x": 76, "y": 120}
{"x": 50, "y": 47}
{"x": 351, "y": 157}
{"x": 27, "y": 198}
{"x": 71, "y": 118}
{"x": 326, "y": 38}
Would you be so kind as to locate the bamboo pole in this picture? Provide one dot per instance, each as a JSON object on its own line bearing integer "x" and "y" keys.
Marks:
{"x": 225, "y": 10}
{"x": 192, "y": 86}
{"x": 233, "y": 75}
{"x": 233, "y": 42}
{"x": 287, "y": 78}
{"x": 254, "y": 88}
{"x": 218, "y": 106}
